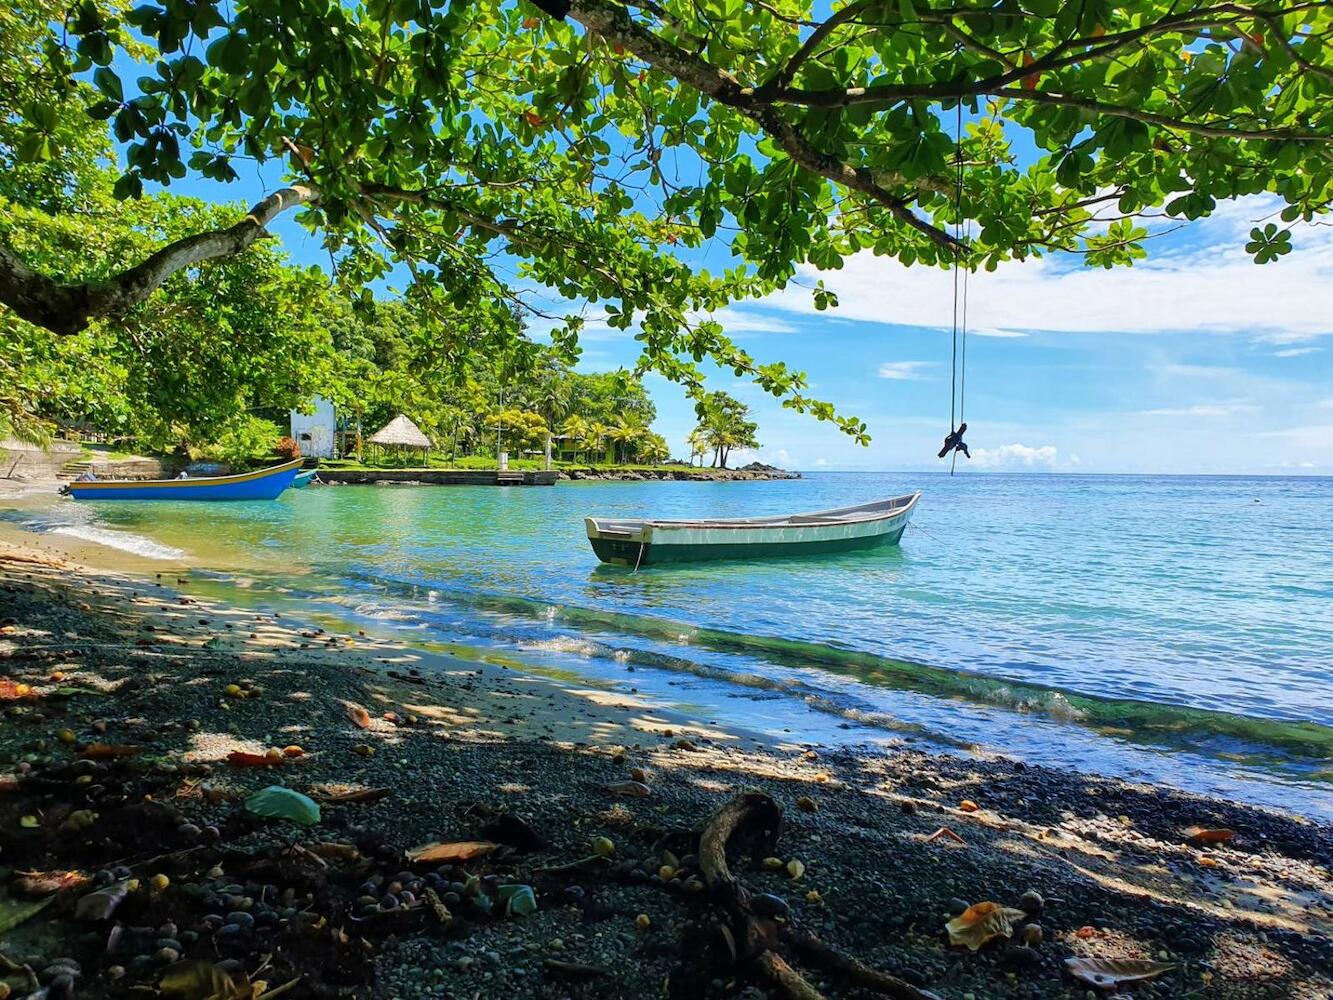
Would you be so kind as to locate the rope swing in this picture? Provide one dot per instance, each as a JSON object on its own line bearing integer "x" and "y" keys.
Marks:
{"x": 954, "y": 442}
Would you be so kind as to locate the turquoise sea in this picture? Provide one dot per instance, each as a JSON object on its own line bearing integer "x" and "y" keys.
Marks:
{"x": 1174, "y": 629}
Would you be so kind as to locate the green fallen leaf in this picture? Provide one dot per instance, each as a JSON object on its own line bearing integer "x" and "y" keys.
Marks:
{"x": 13, "y": 914}
{"x": 277, "y": 802}
{"x": 519, "y": 900}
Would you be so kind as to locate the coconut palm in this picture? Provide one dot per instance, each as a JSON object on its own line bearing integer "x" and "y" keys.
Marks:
{"x": 578, "y": 431}
{"x": 597, "y": 433}
{"x": 698, "y": 442}
{"x": 625, "y": 434}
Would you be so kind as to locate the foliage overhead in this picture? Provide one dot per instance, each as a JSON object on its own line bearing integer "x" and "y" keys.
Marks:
{"x": 496, "y": 148}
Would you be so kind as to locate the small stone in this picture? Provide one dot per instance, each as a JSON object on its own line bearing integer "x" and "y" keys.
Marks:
{"x": 1031, "y": 902}
{"x": 1032, "y": 934}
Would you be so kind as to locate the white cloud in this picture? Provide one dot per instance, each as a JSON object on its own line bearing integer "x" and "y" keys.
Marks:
{"x": 1212, "y": 285}
{"x": 904, "y": 370}
{"x": 1296, "y": 352}
{"x": 1015, "y": 456}
{"x": 1227, "y": 409}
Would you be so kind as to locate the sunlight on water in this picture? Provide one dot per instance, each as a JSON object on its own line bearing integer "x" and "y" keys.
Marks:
{"x": 1173, "y": 628}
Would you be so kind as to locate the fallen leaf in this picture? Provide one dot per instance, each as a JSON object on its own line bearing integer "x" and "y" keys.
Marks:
{"x": 360, "y": 795}
{"x": 107, "y": 751}
{"x": 982, "y": 922}
{"x": 452, "y": 852}
{"x": 14, "y": 691}
{"x": 46, "y": 883}
{"x": 101, "y": 904}
{"x": 633, "y": 789}
{"x": 945, "y": 832}
{"x": 1111, "y": 973}
{"x": 358, "y": 715}
{"x": 339, "y": 852}
{"x": 1203, "y": 835}
{"x": 519, "y": 900}
{"x": 202, "y": 981}
{"x": 1085, "y": 932}
{"x": 1208, "y": 862}
{"x": 968, "y": 806}
{"x": 243, "y": 758}
{"x": 13, "y": 914}
{"x": 277, "y": 802}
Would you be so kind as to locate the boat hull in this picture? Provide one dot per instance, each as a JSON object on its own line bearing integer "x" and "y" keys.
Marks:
{"x": 303, "y": 480}
{"x": 264, "y": 484}
{"x": 622, "y": 553}
{"x": 644, "y": 543}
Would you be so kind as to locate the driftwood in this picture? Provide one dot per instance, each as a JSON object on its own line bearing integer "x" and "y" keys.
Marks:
{"x": 748, "y": 940}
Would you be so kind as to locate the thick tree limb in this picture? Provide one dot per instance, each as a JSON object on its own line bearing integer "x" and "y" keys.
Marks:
{"x": 613, "y": 22}
{"x": 68, "y": 308}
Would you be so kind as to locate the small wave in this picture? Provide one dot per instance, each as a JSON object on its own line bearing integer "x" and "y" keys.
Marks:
{"x": 124, "y": 541}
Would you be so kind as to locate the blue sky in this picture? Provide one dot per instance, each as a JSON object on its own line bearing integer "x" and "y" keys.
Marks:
{"x": 1194, "y": 361}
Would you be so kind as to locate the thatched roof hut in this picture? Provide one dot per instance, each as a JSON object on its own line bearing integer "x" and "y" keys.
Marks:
{"x": 400, "y": 433}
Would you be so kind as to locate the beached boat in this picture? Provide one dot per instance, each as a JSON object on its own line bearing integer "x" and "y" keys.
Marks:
{"x": 303, "y": 479}
{"x": 843, "y": 529}
{"x": 263, "y": 484}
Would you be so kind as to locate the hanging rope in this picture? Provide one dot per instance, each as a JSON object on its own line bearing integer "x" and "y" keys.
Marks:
{"x": 958, "y": 358}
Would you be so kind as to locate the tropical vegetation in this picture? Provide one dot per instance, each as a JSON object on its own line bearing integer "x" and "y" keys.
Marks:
{"x": 584, "y": 150}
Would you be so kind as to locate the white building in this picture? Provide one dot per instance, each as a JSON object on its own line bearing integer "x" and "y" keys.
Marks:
{"x": 315, "y": 431}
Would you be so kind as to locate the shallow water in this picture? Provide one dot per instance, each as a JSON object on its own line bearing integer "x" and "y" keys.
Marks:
{"x": 1163, "y": 628}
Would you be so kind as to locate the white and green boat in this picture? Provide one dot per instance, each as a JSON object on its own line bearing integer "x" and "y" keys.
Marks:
{"x": 843, "y": 529}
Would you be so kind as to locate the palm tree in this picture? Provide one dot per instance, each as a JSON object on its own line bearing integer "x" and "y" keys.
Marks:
{"x": 578, "y": 431}
{"x": 625, "y": 434}
{"x": 654, "y": 449}
{"x": 551, "y": 400}
{"x": 698, "y": 442}
{"x": 597, "y": 432}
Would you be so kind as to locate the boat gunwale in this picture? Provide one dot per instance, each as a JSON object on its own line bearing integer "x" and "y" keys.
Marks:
{"x": 774, "y": 522}
{"x": 199, "y": 481}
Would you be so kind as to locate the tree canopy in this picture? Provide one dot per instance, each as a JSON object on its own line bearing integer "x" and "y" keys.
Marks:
{"x": 590, "y": 147}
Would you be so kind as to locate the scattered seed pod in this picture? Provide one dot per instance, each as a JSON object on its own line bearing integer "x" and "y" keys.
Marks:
{"x": 643, "y": 921}
{"x": 1032, "y": 934}
{"x": 159, "y": 882}
{"x": 807, "y": 804}
{"x": 1031, "y": 902}
{"x": 773, "y": 864}
{"x": 603, "y": 847}
{"x": 795, "y": 869}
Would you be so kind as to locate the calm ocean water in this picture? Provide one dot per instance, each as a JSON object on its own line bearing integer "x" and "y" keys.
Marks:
{"x": 1177, "y": 629}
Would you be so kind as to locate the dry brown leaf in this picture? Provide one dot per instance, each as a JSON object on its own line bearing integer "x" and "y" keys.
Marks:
{"x": 968, "y": 806}
{"x": 107, "y": 751}
{"x": 982, "y": 922}
{"x": 339, "y": 852}
{"x": 47, "y": 883}
{"x": 359, "y": 716}
{"x": 945, "y": 833}
{"x": 243, "y": 758}
{"x": 15, "y": 691}
{"x": 1112, "y": 973}
{"x": 359, "y": 795}
{"x": 1203, "y": 835}
{"x": 1085, "y": 932}
{"x": 633, "y": 789}
{"x": 452, "y": 852}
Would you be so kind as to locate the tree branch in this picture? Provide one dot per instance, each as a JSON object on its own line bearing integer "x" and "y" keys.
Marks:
{"x": 613, "y": 22}
{"x": 68, "y": 308}
{"x": 787, "y": 73}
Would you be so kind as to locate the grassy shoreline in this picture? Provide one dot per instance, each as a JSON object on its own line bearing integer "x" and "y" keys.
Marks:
{"x": 464, "y": 745}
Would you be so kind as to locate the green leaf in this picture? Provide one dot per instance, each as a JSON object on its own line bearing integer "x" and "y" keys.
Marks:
{"x": 109, "y": 84}
{"x": 277, "y": 802}
{"x": 13, "y": 914}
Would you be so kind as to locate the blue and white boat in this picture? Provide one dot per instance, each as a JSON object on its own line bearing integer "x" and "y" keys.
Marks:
{"x": 263, "y": 484}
